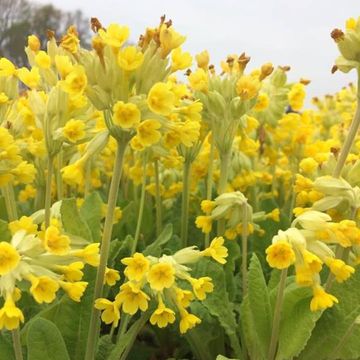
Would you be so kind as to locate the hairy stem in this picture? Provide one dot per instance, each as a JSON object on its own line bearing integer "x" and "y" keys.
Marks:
{"x": 94, "y": 327}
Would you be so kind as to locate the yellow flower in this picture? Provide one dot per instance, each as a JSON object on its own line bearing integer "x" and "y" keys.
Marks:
{"x": 189, "y": 132}
{"x": 199, "y": 80}
{"x": 304, "y": 275}
{"x": 188, "y": 321}
{"x": 340, "y": 269}
{"x": 73, "y": 174}
{"x": 25, "y": 223}
{"x": 43, "y": 60}
{"x": 247, "y": 87}
{"x": 7, "y": 68}
{"x": 111, "y": 311}
{"x": 308, "y": 165}
{"x": 160, "y": 276}
{"x": 262, "y": 102}
{"x": 280, "y": 255}
{"x": 147, "y": 132}
{"x": 296, "y": 96}
{"x": 111, "y": 276}
{"x": 24, "y": 172}
{"x": 56, "y": 243}
{"x": 162, "y": 316}
{"x": 321, "y": 300}
{"x": 74, "y": 130}
{"x": 216, "y": 250}
{"x": 207, "y": 206}
{"x": 202, "y": 286}
{"x": 204, "y": 223}
{"x": 130, "y": 58}
{"x": 274, "y": 215}
{"x": 311, "y": 261}
{"x": 63, "y": 65}
{"x": 72, "y": 272}
{"x": 132, "y": 298}
{"x": 90, "y": 255}
{"x": 136, "y": 266}
{"x": 75, "y": 290}
{"x": 169, "y": 39}
{"x": 10, "y": 315}
{"x": 70, "y": 41}
{"x": 180, "y": 60}
{"x": 126, "y": 115}
{"x": 31, "y": 78}
{"x": 115, "y": 35}
{"x": 161, "y": 99}
{"x": 43, "y": 289}
{"x": 76, "y": 81}
{"x": 184, "y": 297}
{"x": 202, "y": 59}
{"x": 34, "y": 43}
{"x": 9, "y": 258}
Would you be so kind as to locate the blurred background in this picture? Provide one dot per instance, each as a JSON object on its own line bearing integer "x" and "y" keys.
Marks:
{"x": 295, "y": 33}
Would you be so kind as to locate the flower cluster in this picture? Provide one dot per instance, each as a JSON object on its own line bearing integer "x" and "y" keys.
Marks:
{"x": 165, "y": 280}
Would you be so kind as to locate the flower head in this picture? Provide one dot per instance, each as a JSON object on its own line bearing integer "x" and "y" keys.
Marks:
{"x": 216, "y": 250}
{"x": 161, "y": 275}
{"x": 321, "y": 300}
{"x": 280, "y": 255}
{"x": 9, "y": 258}
{"x": 136, "y": 266}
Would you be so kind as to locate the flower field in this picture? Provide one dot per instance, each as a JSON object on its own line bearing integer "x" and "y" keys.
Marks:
{"x": 155, "y": 205}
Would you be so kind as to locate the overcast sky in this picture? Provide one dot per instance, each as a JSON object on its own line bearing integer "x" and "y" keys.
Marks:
{"x": 285, "y": 32}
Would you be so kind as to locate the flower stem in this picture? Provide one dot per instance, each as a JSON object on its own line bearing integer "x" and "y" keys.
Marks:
{"x": 224, "y": 166}
{"x": 185, "y": 203}
{"x": 244, "y": 249}
{"x": 209, "y": 182}
{"x": 94, "y": 326}
{"x": 17, "y": 344}
{"x": 277, "y": 315}
{"x": 87, "y": 185}
{"x": 345, "y": 337}
{"x": 10, "y": 203}
{"x": 141, "y": 207}
{"x": 59, "y": 182}
{"x": 50, "y": 169}
{"x": 158, "y": 198}
{"x": 348, "y": 143}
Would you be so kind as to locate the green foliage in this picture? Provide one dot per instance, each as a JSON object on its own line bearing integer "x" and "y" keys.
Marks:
{"x": 259, "y": 318}
{"x": 218, "y": 303}
{"x": 297, "y": 321}
{"x": 105, "y": 347}
{"x": 90, "y": 211}
{"x": 72, "y": 221}
{"x": 44, "y": 341}
{"x": 154, "y": 248}
{"x": 336, "y": 335}
{"x": 72, "y": 318}
{"x": 6, "y": 348}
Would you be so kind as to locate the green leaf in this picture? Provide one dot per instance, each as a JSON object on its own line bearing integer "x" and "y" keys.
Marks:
{"x": 6, "y": 349}
{"x": 229, "y": 267}
{"x": 72, "y": 221}
{"x": 72, "y": 318}
{"x": 295, "y": 311}
{"x": 154, "y": 248}
{"x": 90, "y": 211}
{"x": 105, "y": 346}
{"x": 44, "y": 341}
{"x": 5, "y": 234}
{"x": 248, "y": 330}
{"x": 336, "y": 334}
{"x": 259, "y": 304}
{"x": 218, "y": 303}
{"x": 222, "y": 357}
